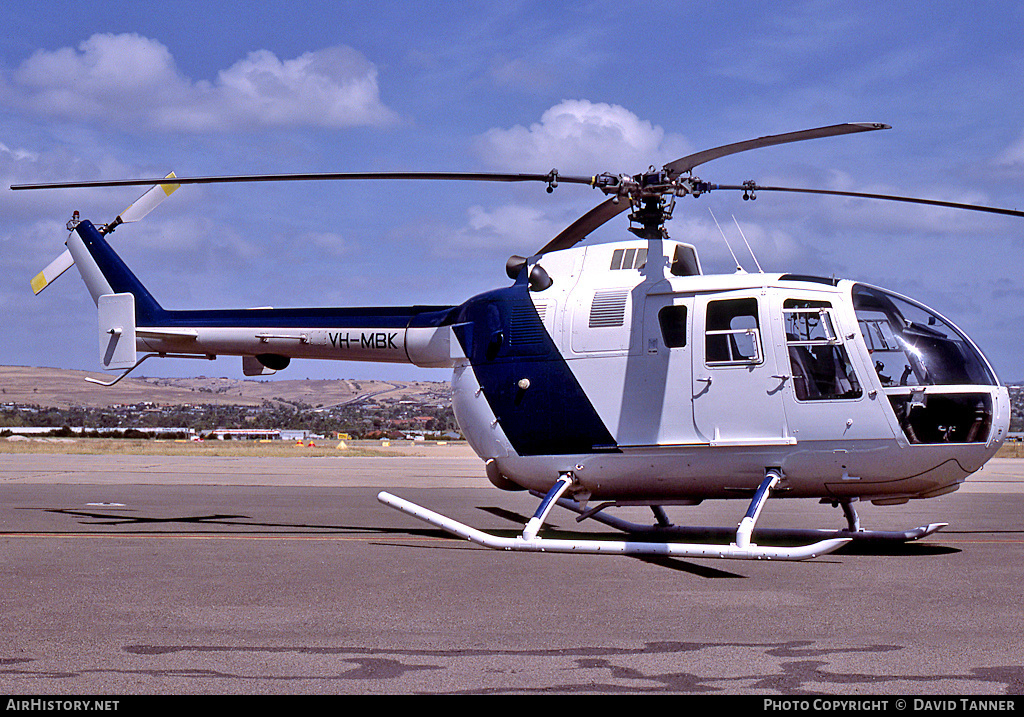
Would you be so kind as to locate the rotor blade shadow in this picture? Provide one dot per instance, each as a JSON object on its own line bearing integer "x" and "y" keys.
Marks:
{"x": 235, "y": 521}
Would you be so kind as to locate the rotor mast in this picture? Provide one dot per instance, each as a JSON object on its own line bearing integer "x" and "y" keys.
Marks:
{"x": 648, "y": 219}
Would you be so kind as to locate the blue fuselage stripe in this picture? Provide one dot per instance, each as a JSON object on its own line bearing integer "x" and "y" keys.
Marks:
{"x": 534, "y": 395}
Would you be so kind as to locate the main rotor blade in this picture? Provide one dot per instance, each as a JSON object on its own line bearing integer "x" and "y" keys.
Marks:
{"x": 685, "y": 164}
{"x": 550, "y": 178}
{"x": 579, "y": 229}
{"x": 866, "y": 195}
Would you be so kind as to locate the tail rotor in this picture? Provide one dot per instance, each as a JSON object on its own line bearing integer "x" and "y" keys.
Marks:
{"x": 135, "y": 211}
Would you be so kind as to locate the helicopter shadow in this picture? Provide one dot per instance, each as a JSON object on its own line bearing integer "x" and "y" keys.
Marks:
{"x": 237, "y": 521}
{"x": 219, "y": 521}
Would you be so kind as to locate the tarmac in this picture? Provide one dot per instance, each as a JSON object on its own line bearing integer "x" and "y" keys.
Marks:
{"x": 128, "y": 575}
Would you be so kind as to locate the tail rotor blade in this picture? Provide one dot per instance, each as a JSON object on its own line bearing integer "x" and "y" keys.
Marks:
{"x": 54, "y": 269}
{"x": 146, "y": 203}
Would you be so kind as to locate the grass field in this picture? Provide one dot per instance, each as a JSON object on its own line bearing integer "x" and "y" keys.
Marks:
{"x": 276, "y": 449}
{"x": 63, "y": 388}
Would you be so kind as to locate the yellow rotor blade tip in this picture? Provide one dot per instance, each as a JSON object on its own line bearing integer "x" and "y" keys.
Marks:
{"x": 38, "y": 283}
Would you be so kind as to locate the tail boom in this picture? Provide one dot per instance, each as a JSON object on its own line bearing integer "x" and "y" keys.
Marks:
{"x": 420, "y": 335}
{"x": 425, "y": 346}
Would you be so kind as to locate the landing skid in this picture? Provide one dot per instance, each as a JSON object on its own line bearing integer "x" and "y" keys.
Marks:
{"x": 710, "y": 533}
{"x": 740, "y": 549}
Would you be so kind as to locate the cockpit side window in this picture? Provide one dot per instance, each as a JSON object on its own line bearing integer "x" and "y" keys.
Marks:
{"x": 821, "y": 367}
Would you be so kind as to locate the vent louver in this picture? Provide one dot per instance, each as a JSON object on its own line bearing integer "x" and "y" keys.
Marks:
{"x": 608, "y": 309}
{"x": 525, "y": 328}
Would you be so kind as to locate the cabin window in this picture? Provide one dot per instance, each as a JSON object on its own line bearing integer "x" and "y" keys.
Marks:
{"x": 684, "y": 262}
{"x": 673, "y": 326}
{"x": 629, "y": 258}
{"x": 732, "y": 333}
{"x": 943, "y": 417}
{"x": 819, "y": 362}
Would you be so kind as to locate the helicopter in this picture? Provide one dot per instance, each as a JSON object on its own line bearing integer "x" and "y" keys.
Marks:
{"x": 620, "y": 374}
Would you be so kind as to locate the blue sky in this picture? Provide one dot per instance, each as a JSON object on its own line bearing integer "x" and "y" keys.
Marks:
{"x": 112, "y": 90}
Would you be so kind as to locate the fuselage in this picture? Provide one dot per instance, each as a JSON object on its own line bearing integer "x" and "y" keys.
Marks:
{"x": 646, "y": 379}
{"x": 651, "y": 382}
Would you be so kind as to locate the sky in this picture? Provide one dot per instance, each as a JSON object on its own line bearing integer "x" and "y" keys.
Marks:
{"x": 104, "y": 90}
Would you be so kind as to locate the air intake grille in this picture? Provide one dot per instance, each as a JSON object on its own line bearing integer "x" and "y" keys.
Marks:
{"x": 525, "y": 328}
{"x": 608, "y": 309}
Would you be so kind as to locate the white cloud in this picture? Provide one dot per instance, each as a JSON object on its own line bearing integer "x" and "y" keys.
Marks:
{"x": 1012, "y": 157}
{"x": 331, "y": 244}
{"x": 19, "y": 165}
{"x": 17, "y": 154}
{"x": 579, "y": 136}
{"x": 133, "y": 81}
{"x": 523, "y": 74}
{"x": 774, "y": 248}
{"x": 508, "y": 228}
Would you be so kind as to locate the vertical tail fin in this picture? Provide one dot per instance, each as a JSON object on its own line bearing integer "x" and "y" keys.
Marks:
{"x": 104, "y": 272}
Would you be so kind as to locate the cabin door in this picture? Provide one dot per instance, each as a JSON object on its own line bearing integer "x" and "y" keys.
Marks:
{"x": 665, "y": 416}
{"x": 737, "y": 386}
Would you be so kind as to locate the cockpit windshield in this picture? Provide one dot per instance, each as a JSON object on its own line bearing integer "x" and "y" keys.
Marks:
{"x": 912, "y": 346}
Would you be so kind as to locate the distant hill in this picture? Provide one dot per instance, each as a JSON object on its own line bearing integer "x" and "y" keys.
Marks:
{"x": 63, "y": 388}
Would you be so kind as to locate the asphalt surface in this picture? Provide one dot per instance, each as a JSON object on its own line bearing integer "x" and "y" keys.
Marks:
{"x": 145, "y": 575}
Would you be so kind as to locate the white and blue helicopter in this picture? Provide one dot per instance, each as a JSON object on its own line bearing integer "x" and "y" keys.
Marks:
{"x": 619, "y": 374}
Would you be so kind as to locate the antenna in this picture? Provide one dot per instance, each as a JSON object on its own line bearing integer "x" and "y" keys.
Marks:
{"x": 756, "y": 263}
{"x": 739, "y": 269}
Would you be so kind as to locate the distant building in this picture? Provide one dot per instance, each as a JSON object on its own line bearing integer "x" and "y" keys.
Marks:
{"x": 246, "y": 434}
